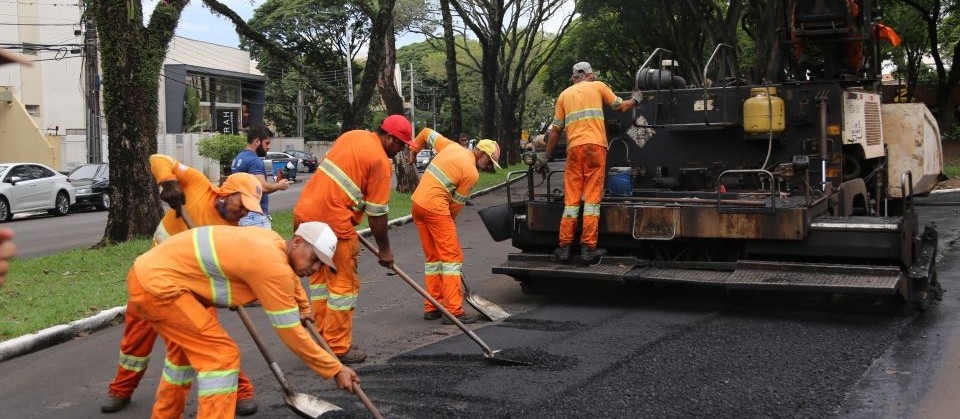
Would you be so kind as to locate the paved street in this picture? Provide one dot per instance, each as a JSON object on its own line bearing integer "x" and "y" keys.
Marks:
{"x": 610, "y": 354}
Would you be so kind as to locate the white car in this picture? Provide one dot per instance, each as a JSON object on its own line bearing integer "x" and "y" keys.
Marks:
{"x": 424, "y": 157}
{"x": 33, "y": 187}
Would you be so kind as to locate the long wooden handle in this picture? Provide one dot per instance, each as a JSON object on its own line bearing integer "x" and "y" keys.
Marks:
{"x": 274, "y": 367}
{"x": 312, "y": 329}
{"x": 413, "y": 284}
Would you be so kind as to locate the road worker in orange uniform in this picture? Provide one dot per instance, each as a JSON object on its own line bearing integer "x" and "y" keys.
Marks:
{"x": 353, "y": 179}
{"x": 438, "y": 199}
{"x": 579, "y": 112}
{"x": 207, "y": 205}
{"x": 173, "y": 284}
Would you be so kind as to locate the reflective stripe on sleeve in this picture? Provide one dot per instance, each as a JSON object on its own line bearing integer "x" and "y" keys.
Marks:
{"x": 160, "y": 234}
{"x": 134, "y": 363}
{"x": 432, "y": 137}
{"x": 616, "y": 102}
{"x": 207, "y": 258}
{"x": 211, "y": 383}
{"x": 376, "y": 210}
{"x": 591, "y": 210}
{"x": 341, "y": 302}
{"x": 460, "y": 199}
{"x": 284, "y": 319}
{"x": 346, "y": 184}
{"x": 178, "y": 375}
{"x": 318, "y": 292}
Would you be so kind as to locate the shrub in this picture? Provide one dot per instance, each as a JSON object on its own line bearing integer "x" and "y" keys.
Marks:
{"x": 222, "y": 148}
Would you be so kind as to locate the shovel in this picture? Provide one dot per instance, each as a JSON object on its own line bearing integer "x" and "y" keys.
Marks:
{"x": 488, "y": 353}
{"x": 356, "y": 387}
{"x": 483, "y": 306}
{"x": 305, "y": 405}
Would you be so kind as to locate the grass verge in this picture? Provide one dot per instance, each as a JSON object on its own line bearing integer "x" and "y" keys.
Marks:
{"x": 67, "y": 286}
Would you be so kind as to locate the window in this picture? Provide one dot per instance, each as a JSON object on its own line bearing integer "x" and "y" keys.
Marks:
{"x": 39, "y": 172}
{"x": 33, "y": 110}
{"x": 84, "y": 172}
{"x": 22, "y": 171}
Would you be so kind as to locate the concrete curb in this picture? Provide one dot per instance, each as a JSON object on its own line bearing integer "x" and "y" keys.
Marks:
{"x": 56, "y": 335}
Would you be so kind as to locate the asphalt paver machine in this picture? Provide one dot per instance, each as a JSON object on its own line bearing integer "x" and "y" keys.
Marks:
{"x": 804, "y": 185}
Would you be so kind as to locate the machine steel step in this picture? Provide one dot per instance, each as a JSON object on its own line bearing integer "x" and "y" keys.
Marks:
{"x": 610, "y": 268}
{"x": 782, "y": 276}
{"x": 742, "y": 275}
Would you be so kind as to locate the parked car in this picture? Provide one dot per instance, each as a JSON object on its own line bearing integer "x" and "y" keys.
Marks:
{"x": 279, "y": 161}
{"x": 33, "y": 187}
{"x": 424, "y": 157}
{"x": 92, "y": 182}
{"x": 308, "y": 162}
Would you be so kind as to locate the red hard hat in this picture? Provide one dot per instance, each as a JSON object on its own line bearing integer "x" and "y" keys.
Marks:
{"x": 398, "y": 126}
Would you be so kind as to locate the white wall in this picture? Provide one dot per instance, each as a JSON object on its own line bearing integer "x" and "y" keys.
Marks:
{"x": 204, "y": 54}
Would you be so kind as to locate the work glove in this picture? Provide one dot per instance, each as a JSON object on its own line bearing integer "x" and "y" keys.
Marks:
{"x": 172, "y": 194}
{"x": 637, "y": 96}
{"x": 540, "y": 166}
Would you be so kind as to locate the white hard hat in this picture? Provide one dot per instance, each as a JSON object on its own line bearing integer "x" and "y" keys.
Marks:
{"x": 321, "y": 237}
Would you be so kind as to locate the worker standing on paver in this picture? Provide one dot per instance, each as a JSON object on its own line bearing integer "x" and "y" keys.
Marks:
{"x": 207, "y": 205}
{"x": 438, "y": 199}
{"x": 353, "y": 179}
{"x": 173, "y": 284}
{"x": 579, "y": 112}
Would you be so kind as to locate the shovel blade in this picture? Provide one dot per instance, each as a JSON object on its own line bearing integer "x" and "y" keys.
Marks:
{"x": 308, "y": 406}
{"x": 486, "y": 307}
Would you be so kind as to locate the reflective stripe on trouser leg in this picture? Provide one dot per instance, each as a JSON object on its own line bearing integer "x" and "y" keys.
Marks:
{"x": 594, "y": 170}
{"x": 135, "y": 347}
{"x": 439, "y": 233}
{"x": 432, "y": 270}
{"x": 343, "y": 288}
{"x": 193, "y": 337}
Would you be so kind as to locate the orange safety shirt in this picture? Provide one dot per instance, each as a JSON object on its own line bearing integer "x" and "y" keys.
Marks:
{"x": 199, "y": 193}
{"x": 579, "y": 111}
{"x": 353, "y": 179}
{"x": 229, "y": 266}
{"x": 451, "y": 175}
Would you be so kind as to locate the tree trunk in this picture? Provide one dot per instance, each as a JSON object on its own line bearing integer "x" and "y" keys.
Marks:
{"x": 453, "y": 83}
{"x": 407, "y": 179}
{"x": 132, "y": 60}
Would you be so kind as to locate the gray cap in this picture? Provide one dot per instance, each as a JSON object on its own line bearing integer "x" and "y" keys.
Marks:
{"x": 582, "y": 67}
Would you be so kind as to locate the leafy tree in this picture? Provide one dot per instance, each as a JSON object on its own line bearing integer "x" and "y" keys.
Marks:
{"x": 932, "y": 12}
{"x": 222, "y": 148}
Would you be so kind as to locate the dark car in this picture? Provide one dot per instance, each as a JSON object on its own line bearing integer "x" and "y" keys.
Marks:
{"x": 308, "y": 161}
{"x": 92, "y": 182}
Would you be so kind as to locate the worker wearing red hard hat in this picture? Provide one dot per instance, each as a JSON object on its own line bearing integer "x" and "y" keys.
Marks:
{"x": 352, "y": 180}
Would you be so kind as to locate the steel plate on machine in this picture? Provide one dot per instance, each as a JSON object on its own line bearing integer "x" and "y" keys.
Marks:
{"x": 655, "y": 223}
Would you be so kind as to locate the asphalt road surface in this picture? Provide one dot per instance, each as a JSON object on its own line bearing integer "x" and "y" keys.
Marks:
{"x": 675, "y": 353}
{"x": 39, "y": 234}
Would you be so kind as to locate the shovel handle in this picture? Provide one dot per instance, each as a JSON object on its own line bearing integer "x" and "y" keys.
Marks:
{"x": 413, "y": 284}
{"x": 312, "y": 329}
{"x": 274, "y": 368}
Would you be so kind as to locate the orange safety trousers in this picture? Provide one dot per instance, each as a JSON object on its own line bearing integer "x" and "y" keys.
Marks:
{"x": 197, "y": 347}
{"x": 135, "y": 348}
{"x": 583, "y": 177}
{"x": 333, "y": 296}
{"x": 444, "y": 259}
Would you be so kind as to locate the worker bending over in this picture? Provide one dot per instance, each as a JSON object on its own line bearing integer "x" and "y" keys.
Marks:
{"x": 207, "y": 205}
{"x": 439, "y": 197}
{"x": 173, "y": 284}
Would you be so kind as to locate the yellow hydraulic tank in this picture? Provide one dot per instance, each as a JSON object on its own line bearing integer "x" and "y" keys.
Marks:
{"x": 763, "y": 111}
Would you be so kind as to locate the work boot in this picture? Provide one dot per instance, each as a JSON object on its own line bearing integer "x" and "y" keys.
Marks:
{"x": 114, "y": 404}
{"x": 246, "y": 407}
{"x": 591, "y": 255}
{"x": 354, "y": 356}
{"x": 432, "y": 315}
{"x": 464, "y": 318}
{"x": 562, "y": 253}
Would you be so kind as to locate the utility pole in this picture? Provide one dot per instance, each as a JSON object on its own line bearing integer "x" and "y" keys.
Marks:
{"x": 434, "y": 108}
{"x": 349, "y": 63}
{"x": 94, "y": 147}
{"x": 300, "y": 113}
{"x": 413, "y": 101}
